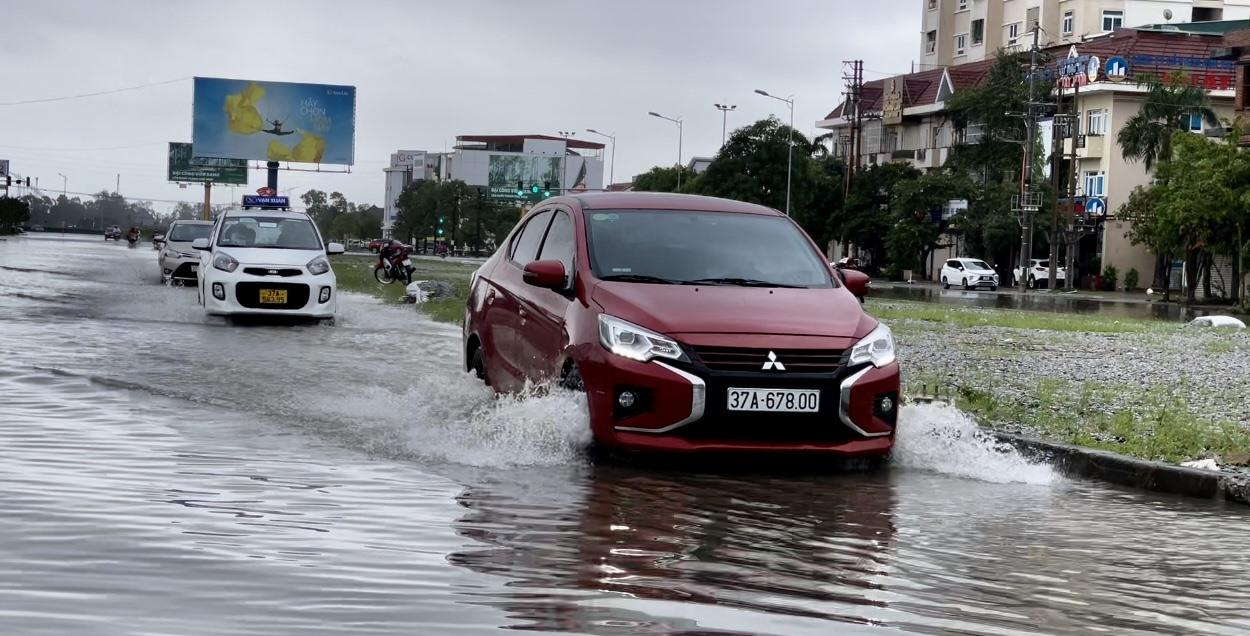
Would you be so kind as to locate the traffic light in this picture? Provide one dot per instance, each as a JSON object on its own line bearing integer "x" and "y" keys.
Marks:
{"x": 8, "y": 181}
{"x": 534, "y": 188}
{"x": 520, "y": 189}
{"x": 440, "y": 226}
{"x": 546, "y": 188}
{"x": 28, "y": 182}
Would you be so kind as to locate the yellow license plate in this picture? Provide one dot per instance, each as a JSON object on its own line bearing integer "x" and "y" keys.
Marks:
{"x": 273, "y": 296}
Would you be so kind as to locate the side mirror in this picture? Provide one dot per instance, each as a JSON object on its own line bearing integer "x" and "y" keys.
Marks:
{"x": 856, "y": 282}
{"x": 334, "y": 248}
{"x": 547, "y": 274}
{"x": 200, "y": 244}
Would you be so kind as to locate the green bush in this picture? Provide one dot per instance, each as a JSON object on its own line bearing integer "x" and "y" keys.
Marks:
{"x": 1130, "y": 280}
{"x": 1109, "y": 277}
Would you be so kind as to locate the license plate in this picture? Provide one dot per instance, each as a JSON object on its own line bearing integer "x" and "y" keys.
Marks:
{"x": 407, "y": 262}
{"x": 774, "y": 400}
{"x": 273, "y": 296}
{"x": 194, "y": 267}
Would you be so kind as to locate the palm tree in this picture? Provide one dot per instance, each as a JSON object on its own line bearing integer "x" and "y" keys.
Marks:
{"x": 1147, "y": 136}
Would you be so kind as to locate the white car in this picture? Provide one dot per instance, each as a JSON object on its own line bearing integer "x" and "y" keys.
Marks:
{"x": 178, "y": 260}
{"x": 1039, "y": 274}
{"x": 266, "y": 262}
{"x": 968, "y": 273}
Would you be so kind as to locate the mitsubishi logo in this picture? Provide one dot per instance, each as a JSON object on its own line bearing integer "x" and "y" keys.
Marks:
{"x": 773, "y": 364}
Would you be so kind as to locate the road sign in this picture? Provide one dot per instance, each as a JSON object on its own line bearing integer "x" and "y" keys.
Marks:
{"x": 258, "y": 201}
{"x": 1094, "y": 206}
{"x": 1117, "y": 69}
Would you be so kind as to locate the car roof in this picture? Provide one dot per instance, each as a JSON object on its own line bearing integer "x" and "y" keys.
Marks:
{"x": 287, "y": 214}
{"x": 663, "y": 201}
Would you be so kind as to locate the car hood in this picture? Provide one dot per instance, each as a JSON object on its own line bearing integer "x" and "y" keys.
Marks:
{"x": 270, "y": 256}
{"x": 723, "y": 309}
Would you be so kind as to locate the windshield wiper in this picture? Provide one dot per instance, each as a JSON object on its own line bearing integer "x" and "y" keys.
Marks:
{"x": 740, "y": 282}
{"x": 640, "y": 278}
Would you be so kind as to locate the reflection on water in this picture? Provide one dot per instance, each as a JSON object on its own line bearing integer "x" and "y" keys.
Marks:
{"x": 162, "y": 473}
{"x": 1042, "y": 301}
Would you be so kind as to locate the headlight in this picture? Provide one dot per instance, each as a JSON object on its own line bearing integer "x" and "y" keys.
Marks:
{"x": 636, "y": 343}
{"x": 225, "y": 263}
{"x": 877, "y": 347}
{"x": 318, "y": 266}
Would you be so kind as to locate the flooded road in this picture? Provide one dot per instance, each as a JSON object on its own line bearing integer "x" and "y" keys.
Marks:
{"x": 1079, "y": 302}
{"x": 166, "y": 473}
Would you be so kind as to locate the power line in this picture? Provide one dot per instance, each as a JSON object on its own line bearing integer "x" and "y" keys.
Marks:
{"x": 127, "y": 147}
{"x": 95, "y": 94}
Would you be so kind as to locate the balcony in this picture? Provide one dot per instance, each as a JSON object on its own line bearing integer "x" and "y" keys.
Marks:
{"x": 1087, "y": 146}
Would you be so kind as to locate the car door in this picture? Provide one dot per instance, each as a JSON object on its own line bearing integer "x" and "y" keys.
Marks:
{"x": 504, "y": 318}
{"x": 950, "y": 273}
{"x": 543, "y": 336}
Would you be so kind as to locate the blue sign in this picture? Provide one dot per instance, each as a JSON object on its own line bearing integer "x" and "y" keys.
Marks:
{"x": 259, "y": 201}
{"x": 1117, "y": 69}
{"x": 1094, "y": 206}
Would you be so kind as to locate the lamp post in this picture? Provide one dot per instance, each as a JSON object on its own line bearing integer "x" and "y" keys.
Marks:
{"x": 678, "y": 122}
{"x": 564, "y": 161}
{"x": 64, "y": 183}
{"x": 612, "y": 167}
{"x": 789, "y": 101}
{"x": 724, "y": 121}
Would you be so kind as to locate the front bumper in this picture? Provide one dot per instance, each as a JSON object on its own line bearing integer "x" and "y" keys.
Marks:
{"x": 243, "y": 294}
{"x": 682, "y": 407}
{"x": 184, "y": 268}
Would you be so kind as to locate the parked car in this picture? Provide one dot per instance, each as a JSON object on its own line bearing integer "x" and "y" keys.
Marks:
{"x": 848, "y": 262}
{"x": 178, "y": 260}
{"x": 1039, "y": 274}
{"x": 691, "y": 324}
{"x": 36, "y": 228}
{"x": 266, "y": 262}
{"x": 968, "y": 273}
{"x": 113, "y": 232}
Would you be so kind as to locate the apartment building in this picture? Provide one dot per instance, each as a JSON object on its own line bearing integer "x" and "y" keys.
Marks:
{"x": 905, "y": 119}
{"x": 963, "y": 31}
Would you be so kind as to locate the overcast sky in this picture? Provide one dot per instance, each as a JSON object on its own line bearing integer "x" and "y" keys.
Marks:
{"x": 425, "y": 72}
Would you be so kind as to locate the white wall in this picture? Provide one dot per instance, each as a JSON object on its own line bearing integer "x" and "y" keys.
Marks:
{"x": 544, "y": 147}
{"x": 396, "y": 178}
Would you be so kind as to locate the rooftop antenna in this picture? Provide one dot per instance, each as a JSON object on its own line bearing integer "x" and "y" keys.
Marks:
{"x": 1167, "y": 15}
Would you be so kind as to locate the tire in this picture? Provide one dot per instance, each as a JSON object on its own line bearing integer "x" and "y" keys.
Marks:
{"x": 945, "y": 283}
{"x": 382, "y": 275}
{"x": 572, "y": 379}
{"x": 994, "y": 288}
{"x": 967, "y": 287}
{"x": 477, "y": 364}
{"x": 1032, "y": 283}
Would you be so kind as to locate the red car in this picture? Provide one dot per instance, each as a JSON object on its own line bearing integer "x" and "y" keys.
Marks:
{"x": 692, "y": 324}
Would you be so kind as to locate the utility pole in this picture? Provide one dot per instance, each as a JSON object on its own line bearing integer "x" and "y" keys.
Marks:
{"x": 854, "y": 78}
{"x": 1074, "y": 232}
{"x": 208, "y": 199}
{"x": 724, "y": 120}
{"x": 1056, "y": 150}
{"x": 1028, "y": 203}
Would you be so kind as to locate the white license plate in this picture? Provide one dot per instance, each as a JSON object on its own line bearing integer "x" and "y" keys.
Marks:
{"x": 194, "y": 267}
{"x": 407, "y": 262}
{"x": 774, "y": 400}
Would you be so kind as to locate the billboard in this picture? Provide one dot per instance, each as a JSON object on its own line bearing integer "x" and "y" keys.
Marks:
{"x": 506, "y": 170}
{"x": 274, "y": 121}
{"x": 185, "y": 168}
{"x": 4, "y": 167}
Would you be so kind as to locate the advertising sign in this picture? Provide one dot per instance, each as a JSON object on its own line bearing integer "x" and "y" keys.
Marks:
{"x": 892, "y": 109}
{"x": 506, "y": 171}
{"x": 1074, "y": 70}
{"x": 408, "y": 159}
{"x": 274, "y": 121}
{"x": 183, "y": 168}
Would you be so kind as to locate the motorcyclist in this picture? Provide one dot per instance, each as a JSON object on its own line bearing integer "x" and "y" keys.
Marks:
{"x": 133, "y": 234}
{"x": 394, "y": 253}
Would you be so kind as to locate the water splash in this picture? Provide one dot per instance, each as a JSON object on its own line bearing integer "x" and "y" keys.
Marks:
{"x": 940, "y": 438}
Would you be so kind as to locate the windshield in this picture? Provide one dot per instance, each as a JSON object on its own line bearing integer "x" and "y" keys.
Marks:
{"x": 187, "y": 233}
{"x": 979, "y": 265}
{"x": 680, "y": 247}
{"x": 269, "y": 232}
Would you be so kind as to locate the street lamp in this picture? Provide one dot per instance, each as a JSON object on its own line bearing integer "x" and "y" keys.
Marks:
{"x": 678, "y": 122}
{"x": 724, "y": 110}
{"x": 564, "y": 163}
{"x": 612, "y": 166}
{"x": 64, "y": 183}
{"x": 789, "y": 101}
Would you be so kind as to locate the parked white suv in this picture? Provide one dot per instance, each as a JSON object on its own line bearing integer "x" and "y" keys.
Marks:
{"x": 968, "y": 273}
{"x": 178, "y": 260}
{"x": 1039, "y": 274}
{"x": 266, "y": 262}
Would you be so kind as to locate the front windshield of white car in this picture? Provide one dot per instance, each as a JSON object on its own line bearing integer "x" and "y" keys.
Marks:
{"x": 185, "y": 232}
{"x": 269, "y": 232}
{"x": 979, "y": 265}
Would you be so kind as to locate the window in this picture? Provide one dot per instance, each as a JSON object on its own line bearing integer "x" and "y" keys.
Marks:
{"x": 961, "y": 44}
{"x": 1207, "y": 14}
{"x": 1096, "y": 124}
{"x": 1095, "y": 184}
{"x": 978, "y": 32}
{"x": 930, "y": 42}
{"x": 186, "y": 232}
{"x": 933, "y": 5}
{"x": 952, "y": 264}
{"x": 273, "y": 232}
{"x": 1195, "y": 122}
{"x": 1112, "y": 20}
{"x": 1067, "y": 23}
{"x": 963, "y": 5}
{"x": 525, "y": 246}
{"x": 1013, "y": 32}
{"x": 560, "y": 244}
{"x": 941, "y": 137}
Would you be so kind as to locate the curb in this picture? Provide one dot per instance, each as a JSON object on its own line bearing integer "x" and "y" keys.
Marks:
{"x": 1120, "y": 469}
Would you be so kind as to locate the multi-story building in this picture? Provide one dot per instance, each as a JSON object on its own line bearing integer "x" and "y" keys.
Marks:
{"x": 905, "y": 118}
{"x": 962, "y": 31}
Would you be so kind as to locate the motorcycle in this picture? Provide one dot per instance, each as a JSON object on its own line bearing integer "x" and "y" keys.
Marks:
{"x": 398, "y": 267}
{"x": 158, "y": 241}
{"x": 132, "y": 240}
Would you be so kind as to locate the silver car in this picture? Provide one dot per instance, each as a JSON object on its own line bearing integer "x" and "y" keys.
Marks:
{"x": 179, "y": 261}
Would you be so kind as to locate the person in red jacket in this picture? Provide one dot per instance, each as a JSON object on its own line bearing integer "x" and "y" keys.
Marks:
{"x": 395, "y": 252}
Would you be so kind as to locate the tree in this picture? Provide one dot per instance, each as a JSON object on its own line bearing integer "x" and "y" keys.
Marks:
{"x": 865, "y": 218}
{"x": 916, "y": 221}
{"x": 184, "y": 211}
{"x": 662, "y": 179}
{"x": 13, "y": 212}
{"x": 1168, "y": 106}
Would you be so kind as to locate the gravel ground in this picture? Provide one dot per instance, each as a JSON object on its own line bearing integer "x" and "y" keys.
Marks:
{"x": 1202, "y": 372}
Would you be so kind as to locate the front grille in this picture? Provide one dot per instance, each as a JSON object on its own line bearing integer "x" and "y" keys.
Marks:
{"x": 740, "y": 360}
{"x": 248, "y": 295}
{"x": 272, "y": 271}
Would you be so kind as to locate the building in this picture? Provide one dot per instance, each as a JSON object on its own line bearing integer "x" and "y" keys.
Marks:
{"x": 698, "y": 165}
{"x": 502, "y": 165}
{"x": 962, "y": 31}
{"x": 905, "y": 119}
